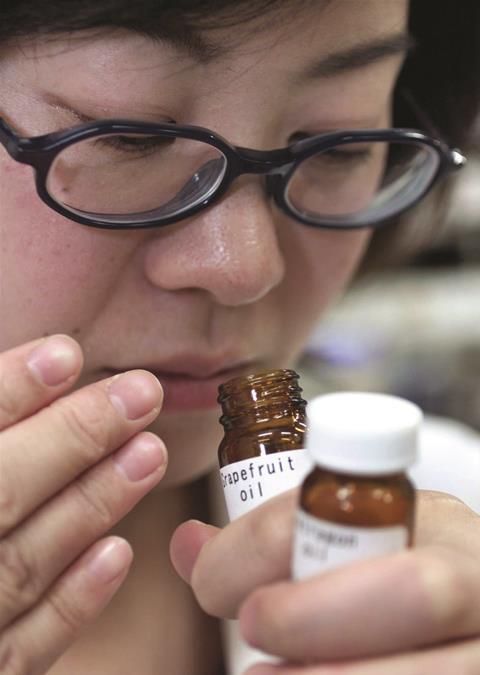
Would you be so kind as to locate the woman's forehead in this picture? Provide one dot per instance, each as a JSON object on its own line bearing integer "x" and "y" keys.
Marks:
{"x": 120, "y": 73}
{"x": 291, "y": 30}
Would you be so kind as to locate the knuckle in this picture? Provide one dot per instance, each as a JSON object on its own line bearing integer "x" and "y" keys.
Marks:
{"x": 437, "y": 497}
{"x": 447, "y": 593}
{"x": 206, "y": 593}
{"x": 70, "y": 617}
{"x": 441, "y": 501}
{"x": 8, "y": 402}
{"x": 260, "y": 604}
{"x": 214, "y": 597}
{"x": 9, "y": 505}
{"x": 19, "y": 581}
{"x": 87, "y": 427}
{"x": 12, "y": 659}
{"x": 269, "y": 537}
{"x": 94, "y": 507}
{"x": 270, "y": 623}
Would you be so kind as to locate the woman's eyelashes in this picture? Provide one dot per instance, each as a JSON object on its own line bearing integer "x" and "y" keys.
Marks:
{"x": 346, "y": 153}
{"x": 135, "y": 144}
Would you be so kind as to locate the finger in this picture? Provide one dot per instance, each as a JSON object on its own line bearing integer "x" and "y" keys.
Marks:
{"x": 458, "y": 659}
{"x": 35, "y": 554}
{"x": 399, "y": 603}
{"x": 34, "y": 642}
{"x": 438, "y": 507}
{"x": 251, "y": 551}
{"x": 186, "y": 543}
{"x": 68, "y": 437}
{"x": 33, "y": 375}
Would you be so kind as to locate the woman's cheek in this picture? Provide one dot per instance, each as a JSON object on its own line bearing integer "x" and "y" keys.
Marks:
{"x": 52, "y": 265}
{"x": 320, "y": 264}
{"x": 334, "y": 259}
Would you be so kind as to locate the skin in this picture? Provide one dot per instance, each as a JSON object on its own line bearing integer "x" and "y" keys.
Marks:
{"x": 218, "y": 285}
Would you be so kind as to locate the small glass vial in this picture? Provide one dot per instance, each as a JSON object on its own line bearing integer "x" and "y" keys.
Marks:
{"x": 357, "y": 502}
{"x": 262, "y": 453}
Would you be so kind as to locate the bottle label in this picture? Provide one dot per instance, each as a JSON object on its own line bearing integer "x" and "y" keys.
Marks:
{"x": 320, "y": 545}
{"x": 252, "y": 481}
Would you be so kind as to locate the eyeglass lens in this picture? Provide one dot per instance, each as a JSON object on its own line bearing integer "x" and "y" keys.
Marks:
{"x": 131, "y": 177}
{"x": 356, "y": 183}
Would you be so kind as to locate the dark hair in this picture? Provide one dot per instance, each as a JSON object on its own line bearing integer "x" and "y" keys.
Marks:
{"x": 441, "y": 75}
{"x": 180, "y": 21}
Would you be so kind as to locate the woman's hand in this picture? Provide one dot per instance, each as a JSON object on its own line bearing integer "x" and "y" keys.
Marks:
{"x": 412, "y": 613}
{"x": 71, "y": 466}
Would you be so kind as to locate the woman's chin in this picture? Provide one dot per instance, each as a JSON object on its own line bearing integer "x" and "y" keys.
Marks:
{"x": 192, "y": 439}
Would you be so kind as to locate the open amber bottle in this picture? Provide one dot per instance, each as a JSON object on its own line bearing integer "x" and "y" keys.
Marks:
{"x": 262, "y": 451}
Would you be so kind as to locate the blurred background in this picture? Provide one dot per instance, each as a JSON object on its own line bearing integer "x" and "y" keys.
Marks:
{"x": 413, "y": 331}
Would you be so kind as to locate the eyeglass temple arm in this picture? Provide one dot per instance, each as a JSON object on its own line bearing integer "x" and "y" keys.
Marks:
{"x": 421, "y": 115}
{"x": 456, "y": 159}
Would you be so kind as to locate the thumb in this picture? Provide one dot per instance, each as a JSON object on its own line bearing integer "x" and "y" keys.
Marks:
{"x": 186, "y": 543}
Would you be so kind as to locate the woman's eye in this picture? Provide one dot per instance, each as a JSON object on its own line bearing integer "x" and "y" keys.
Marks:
{"x": 135, "y": 144}
{"x": 345, "y": 155}
{"x": 342, "y": 154}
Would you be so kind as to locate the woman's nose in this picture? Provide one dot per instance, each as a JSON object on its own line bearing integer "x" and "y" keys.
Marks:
{"x": 230, "y": 250}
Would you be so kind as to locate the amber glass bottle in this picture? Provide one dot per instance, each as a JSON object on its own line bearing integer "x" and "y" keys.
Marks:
{"x": 262, "y": 452}
{"x": 357, "y": 502}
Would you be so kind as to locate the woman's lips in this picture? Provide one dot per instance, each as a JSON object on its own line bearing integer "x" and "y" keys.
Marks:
{"x": 184, "y": 391}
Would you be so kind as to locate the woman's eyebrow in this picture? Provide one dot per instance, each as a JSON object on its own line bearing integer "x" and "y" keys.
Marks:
{"x": 358, "y": 56}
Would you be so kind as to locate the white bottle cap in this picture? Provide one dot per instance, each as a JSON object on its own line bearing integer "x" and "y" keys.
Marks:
{"x": 363, "y": 433}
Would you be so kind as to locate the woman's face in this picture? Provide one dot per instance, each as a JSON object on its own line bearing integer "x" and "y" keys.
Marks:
{"x": 234, "y": 289}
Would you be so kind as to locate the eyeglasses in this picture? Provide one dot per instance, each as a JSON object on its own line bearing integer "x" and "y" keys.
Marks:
{"x": 118, "y": 174}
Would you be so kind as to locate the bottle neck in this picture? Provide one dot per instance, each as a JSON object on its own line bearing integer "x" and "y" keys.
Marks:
{"x": 271, "y": 398}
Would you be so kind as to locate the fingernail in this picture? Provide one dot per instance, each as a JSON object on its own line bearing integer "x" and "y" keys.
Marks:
{"x": 54, "y": 360}
{"x": 141, "y": 457}
{"x": 135, "y": 394}
{"x": 109, "y": 559}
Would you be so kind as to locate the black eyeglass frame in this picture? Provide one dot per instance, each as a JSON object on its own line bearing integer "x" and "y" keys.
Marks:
{"x": 278, "y": 165}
